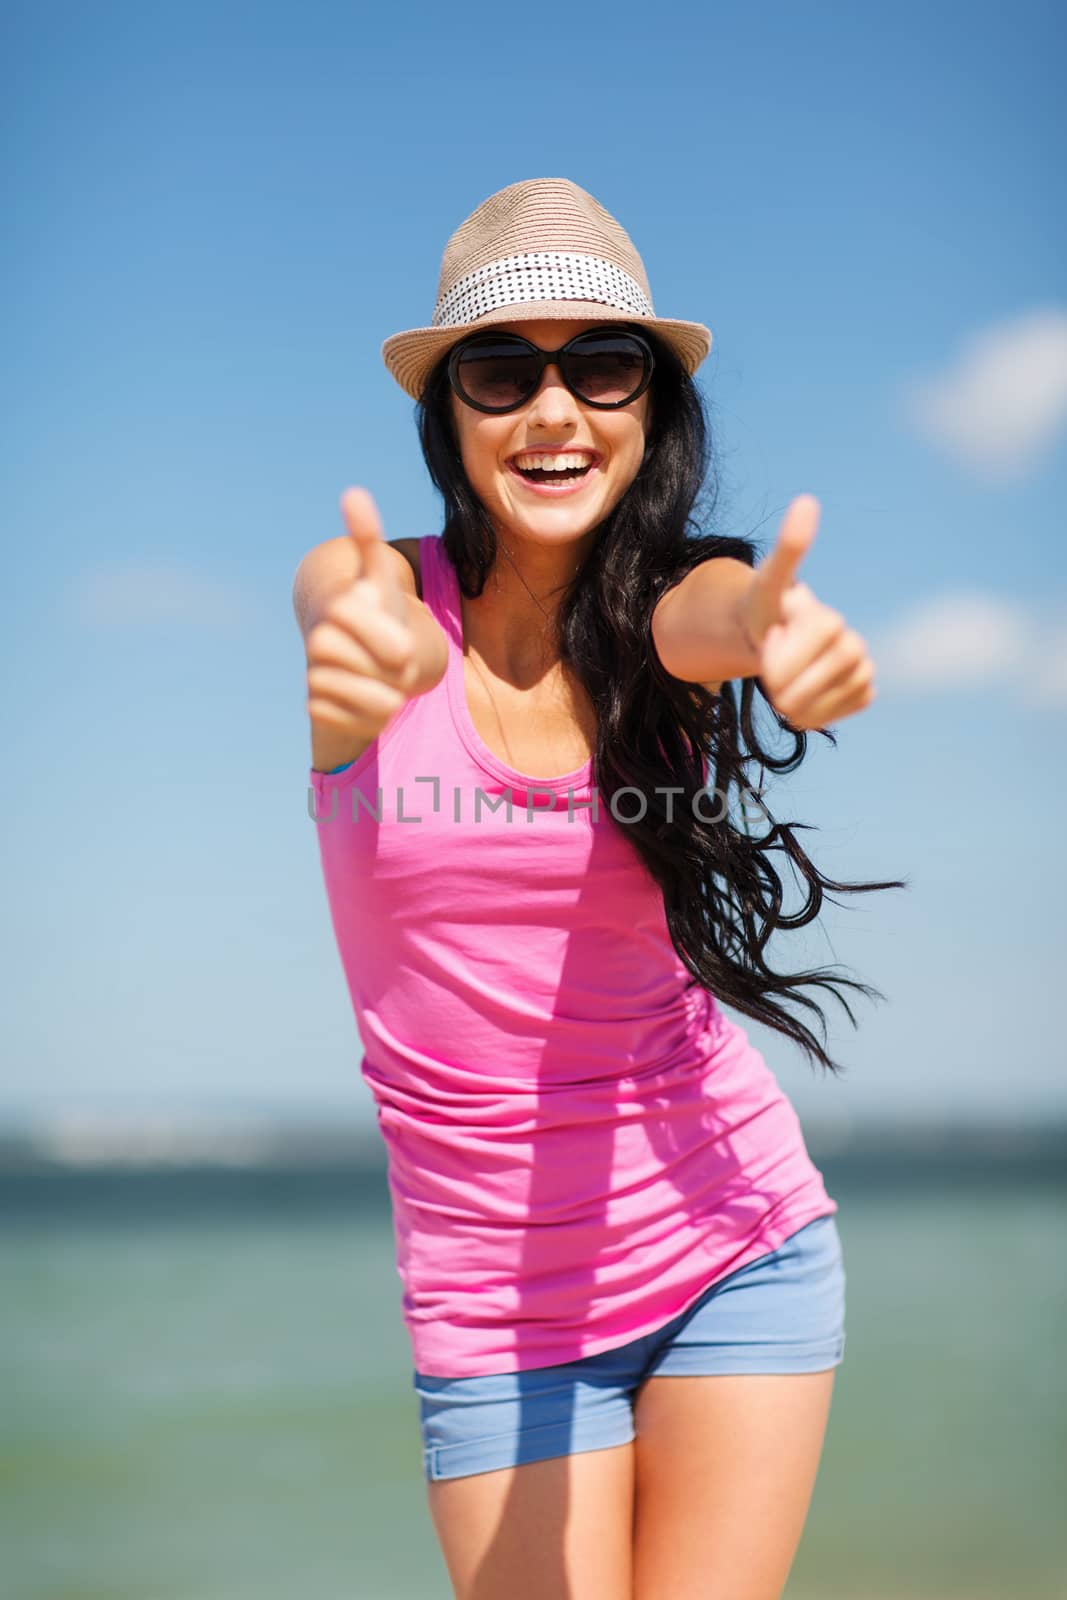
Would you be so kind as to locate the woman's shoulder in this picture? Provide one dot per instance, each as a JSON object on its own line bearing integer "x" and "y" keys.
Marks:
{"x": 409, "y": 548}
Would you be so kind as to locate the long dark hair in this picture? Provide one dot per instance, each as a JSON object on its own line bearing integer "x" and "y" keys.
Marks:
{"x": 722, "y": 894}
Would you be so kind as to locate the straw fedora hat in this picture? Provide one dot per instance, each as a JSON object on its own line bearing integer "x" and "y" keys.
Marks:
{"x": 541, "y": 249}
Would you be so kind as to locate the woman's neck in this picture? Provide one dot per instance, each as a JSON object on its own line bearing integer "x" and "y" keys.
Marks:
{"x": 512, "y": 625}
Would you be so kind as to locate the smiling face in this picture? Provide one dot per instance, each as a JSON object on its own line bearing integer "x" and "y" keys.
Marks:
{"x": 556, "y": 422}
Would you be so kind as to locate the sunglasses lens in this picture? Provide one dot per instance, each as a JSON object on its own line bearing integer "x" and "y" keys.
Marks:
{"x": 500, "y": 373}
{"x": 606, "y": 368}
{"x": 497, "y": 372}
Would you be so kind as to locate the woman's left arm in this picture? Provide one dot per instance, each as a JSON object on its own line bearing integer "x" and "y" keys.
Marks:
{"x": 727, "y": 620}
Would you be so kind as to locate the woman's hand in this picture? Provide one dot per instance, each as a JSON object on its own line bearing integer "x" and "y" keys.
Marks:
{"x": 361, "y": 653}
{"x": 814, "y": 668}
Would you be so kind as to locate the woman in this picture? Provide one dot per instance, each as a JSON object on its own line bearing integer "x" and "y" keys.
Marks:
{"x": 622, "y": 1277}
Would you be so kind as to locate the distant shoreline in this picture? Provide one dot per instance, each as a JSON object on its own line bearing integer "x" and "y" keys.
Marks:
{"x": 182, "y": 1168}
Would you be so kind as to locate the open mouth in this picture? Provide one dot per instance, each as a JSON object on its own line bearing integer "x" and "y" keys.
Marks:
{"x": 560, "y": 477}
{"x": 551, "y": 475}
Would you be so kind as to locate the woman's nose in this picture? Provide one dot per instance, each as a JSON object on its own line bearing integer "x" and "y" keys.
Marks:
{"x": 553, "y": 398}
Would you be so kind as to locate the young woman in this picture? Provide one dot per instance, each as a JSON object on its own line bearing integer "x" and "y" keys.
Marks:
{"x": 533, "y": 744}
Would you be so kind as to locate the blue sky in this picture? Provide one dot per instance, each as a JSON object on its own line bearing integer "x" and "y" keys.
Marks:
{"x": 216, "y": 215}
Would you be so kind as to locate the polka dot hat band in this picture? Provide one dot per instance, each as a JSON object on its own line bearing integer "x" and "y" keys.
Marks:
{"x": 546, "y": 250}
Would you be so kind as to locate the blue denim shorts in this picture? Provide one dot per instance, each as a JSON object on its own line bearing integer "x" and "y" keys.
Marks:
{"x": 784, "y": 1312}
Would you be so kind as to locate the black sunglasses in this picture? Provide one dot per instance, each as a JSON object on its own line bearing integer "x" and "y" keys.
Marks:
{"x": 499, "y": 372}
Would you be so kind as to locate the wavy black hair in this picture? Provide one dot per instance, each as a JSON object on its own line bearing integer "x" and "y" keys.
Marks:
{"x": 723, "y": 895}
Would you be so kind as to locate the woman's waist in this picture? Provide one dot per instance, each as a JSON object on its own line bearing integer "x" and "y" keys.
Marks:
{"x": 713, "y": 1083}
{"x": 633, "y": 1164}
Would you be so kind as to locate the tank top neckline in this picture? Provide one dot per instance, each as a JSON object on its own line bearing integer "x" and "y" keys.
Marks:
{"x": 445, "y": 600}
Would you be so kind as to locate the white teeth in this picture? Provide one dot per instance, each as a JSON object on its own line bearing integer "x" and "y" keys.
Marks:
{"x": 563, "y": 463}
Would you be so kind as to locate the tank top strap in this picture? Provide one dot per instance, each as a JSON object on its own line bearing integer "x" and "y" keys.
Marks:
{"x": 440, "y": 588}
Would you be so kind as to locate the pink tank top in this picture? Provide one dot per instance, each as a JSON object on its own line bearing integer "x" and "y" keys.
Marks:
{"x": 579, "y": 1140}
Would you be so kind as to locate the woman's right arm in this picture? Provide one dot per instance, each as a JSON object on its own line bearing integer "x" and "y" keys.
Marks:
{"x": 371, "y": 644}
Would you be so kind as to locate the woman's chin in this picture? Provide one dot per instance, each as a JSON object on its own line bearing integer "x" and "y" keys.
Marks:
{"x": 577, "y": 512}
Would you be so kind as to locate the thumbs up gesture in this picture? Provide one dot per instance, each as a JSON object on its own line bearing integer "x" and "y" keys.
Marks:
{"x": 362, "y": 660}
{"x": 814, "y": 668}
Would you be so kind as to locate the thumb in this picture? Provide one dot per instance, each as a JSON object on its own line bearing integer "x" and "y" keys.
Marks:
{"x": 796, "y": 536}
{"x": 365, "y": 526}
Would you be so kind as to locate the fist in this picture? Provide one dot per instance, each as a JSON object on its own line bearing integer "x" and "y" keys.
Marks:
{"x": 814, "y": 668}
{"x": 361, "y": 661}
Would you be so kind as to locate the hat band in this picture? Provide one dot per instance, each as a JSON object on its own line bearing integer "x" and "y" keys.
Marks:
{"x": 539, "y": 275}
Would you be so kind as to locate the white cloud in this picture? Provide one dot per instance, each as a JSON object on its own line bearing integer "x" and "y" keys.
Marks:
{"x": 962, "y": 640}
{"x": 1003, "y": 401}
{"x": 952, "y": 642}
{"x": 149, "y": 594}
